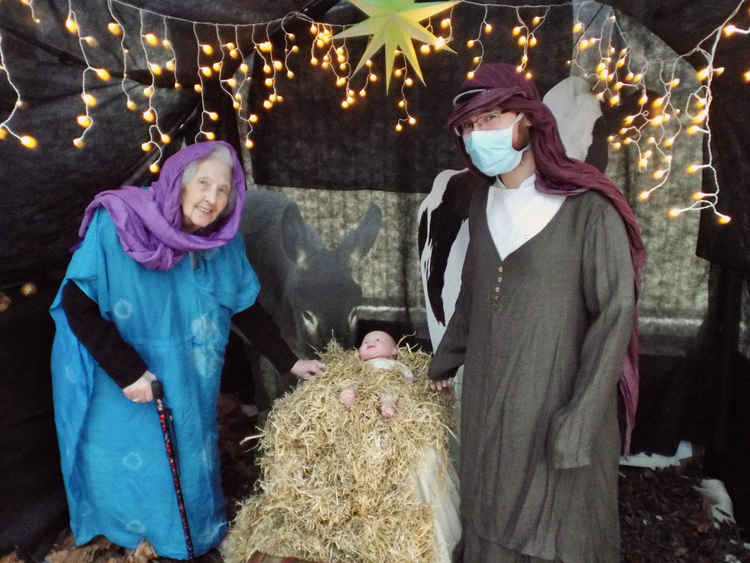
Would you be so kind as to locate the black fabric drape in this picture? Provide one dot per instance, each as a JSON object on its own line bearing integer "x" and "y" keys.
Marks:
{"x": 46, "y": 190}
{"x": 717, "y": 414}
{"x": 714, "y": 377}
{"x": 33, "y": 507}
{"x": 312, "y": 142}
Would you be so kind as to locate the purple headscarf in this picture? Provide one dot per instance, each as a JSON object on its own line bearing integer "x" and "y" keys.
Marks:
{"x": 499, "y": 84}
{"x": 149, "y": 221}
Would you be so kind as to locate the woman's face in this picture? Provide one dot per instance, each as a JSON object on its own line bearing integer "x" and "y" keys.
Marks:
{"x": 205, "y": 195}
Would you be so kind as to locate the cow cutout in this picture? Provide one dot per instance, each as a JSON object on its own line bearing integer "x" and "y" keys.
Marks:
{"x": 307, "y": 288}
{"x": 443, "y": 238}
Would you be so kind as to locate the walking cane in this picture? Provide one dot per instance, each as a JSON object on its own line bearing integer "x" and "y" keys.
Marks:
{"x": 165, "y": 417}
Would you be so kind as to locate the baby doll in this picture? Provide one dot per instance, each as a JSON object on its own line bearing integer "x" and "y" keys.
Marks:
{"x": 379, "y": 350}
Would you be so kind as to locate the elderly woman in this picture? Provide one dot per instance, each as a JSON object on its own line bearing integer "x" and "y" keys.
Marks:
{"x": 149, "y": 294}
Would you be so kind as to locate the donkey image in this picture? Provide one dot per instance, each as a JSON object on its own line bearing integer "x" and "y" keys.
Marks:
{"x": 307, "y": 288}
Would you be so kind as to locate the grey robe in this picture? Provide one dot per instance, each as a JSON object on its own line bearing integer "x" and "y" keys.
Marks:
{"x": 542, "y": 336}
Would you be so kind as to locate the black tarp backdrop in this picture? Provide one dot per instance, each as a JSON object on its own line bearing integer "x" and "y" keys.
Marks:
{"x": 707, "y": 394}
{"x": 312, "y": 142}
{"x": 45, "y": 191}
{"x": 44, "y": 195}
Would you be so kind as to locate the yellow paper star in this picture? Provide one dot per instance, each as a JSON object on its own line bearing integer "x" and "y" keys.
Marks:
{"x": 393, "y": 24}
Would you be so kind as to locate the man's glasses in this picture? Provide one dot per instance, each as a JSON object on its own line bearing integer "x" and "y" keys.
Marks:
{"x": 481, "y": 121}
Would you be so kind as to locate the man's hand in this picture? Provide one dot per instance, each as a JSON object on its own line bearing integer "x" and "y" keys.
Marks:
{"x": 440, "y": 384}
{"x": 308, "y": 369}
{"x": 140, "y": 390}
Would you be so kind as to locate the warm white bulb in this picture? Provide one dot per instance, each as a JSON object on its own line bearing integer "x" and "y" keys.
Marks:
{"x": 29, "y": 142}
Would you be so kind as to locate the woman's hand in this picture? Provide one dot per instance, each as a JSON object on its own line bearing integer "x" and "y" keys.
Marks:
{"x": 308, "y": 369}
{"x": 440, "y": 384}
{"x": 140, "y": 390}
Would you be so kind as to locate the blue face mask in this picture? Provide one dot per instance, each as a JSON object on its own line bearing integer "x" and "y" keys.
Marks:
{"x": 492, "y": 151}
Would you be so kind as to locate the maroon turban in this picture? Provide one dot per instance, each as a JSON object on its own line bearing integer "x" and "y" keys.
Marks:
{"x": 498, "y": 84}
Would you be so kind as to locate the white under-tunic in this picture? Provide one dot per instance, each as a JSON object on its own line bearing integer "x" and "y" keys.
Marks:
{"x": 515, "y": 215}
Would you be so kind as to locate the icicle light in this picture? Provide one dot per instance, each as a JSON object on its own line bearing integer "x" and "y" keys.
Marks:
{"x": 652, "y": 132}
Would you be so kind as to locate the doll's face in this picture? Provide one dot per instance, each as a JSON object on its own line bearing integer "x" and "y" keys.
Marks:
{"x": 377, "y": 344}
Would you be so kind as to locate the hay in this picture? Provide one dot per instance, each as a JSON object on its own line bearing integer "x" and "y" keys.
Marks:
{"x": 337, "y": 482}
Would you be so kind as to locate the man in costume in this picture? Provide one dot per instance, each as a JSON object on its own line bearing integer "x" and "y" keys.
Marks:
{"x": 545, "y": 326}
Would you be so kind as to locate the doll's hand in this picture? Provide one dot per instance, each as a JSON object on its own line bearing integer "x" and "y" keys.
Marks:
{"x": 308, "y": 369}
{"x": 140, "y": 390}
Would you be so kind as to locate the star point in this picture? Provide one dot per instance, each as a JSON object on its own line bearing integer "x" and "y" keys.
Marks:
{"x": 393, "y": 24}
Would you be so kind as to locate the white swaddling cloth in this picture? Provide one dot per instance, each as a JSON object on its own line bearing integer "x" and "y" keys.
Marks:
{"x": 388, "y": 363}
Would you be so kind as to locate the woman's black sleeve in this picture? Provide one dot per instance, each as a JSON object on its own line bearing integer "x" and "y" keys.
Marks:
{"x": 101, "y": 337}
{"x": 259, "y": 327}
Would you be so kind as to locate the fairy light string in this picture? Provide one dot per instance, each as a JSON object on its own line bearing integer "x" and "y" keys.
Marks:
{"x": 242, "y": 111}
{"x": 150, "y": 115}
{"x": 202, "y": 71}
{"x": 654, "y": 129}
{"x": 602, "y": 56}
{"x": 5, "y": 129}
{"x": 226, "y": 83}
{"x": 707, "y": 75}
{"x": 171, "y": 63}
{"x": 85, "y": 119}
{"x": 117, "y": 29}
{"x": 30, "y": 5}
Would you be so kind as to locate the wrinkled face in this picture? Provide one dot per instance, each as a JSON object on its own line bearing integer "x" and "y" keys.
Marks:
{"x": 377, "y": 344}
{"x": 205, "y": 195}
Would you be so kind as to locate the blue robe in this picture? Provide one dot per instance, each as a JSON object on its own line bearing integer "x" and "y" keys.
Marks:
{"x": 113, "y": 457}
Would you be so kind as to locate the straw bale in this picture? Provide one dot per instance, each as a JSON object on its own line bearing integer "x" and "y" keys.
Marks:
{"x": 336, "y": 482}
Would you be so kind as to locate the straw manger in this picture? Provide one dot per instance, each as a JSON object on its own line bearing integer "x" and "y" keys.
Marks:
{"x": 338, "y": 483}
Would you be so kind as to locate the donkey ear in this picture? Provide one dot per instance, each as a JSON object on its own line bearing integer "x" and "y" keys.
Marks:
{"x": 294, "y": 236}
{"x": 358, "y": 243}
